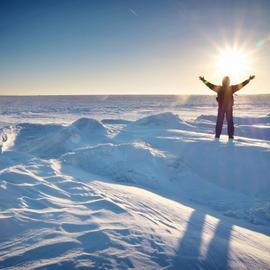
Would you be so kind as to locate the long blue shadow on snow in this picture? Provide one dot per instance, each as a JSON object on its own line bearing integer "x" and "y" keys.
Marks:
{"x": 188, "y": 255}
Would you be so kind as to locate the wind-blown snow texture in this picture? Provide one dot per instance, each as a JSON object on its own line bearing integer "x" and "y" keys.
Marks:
{"x": 85, "y": 187}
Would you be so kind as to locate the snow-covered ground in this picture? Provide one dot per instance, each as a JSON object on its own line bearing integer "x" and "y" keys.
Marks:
{"x": 133, "y": 183}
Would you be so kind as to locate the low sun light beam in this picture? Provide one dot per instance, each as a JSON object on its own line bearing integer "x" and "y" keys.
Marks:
{"x": 233, "y": 63}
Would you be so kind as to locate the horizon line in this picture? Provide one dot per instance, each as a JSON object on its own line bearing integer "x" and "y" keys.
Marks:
{"x": 57, "y": 95}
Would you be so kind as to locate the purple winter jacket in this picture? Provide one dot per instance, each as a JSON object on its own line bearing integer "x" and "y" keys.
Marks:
{"x": 225, "y": 93}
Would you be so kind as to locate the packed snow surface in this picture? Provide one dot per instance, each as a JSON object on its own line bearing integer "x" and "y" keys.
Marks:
{"x": 135, "y": 183}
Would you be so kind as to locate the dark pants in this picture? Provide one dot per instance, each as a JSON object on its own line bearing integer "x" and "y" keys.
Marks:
{"x": 222, "y": 110}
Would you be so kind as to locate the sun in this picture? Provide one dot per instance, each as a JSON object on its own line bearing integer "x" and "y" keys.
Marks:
{"x": 232, "y": 62}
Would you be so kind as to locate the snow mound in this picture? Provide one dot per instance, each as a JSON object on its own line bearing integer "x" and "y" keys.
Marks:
{"x": 127, "y": 162}
{"x": 51, "y": 140}
{"x": 163, "y": 121}
{"x": 89, "y": 125}
{"x": 229, "y": 164}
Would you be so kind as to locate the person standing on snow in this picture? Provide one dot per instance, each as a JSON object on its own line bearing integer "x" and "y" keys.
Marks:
{"x": 225, "y": 102}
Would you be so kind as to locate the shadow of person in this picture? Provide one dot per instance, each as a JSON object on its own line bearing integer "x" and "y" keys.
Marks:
{"x": 188, "y": 255}
{"x": 188, "y": 252}
{"x": 217, "y": 257}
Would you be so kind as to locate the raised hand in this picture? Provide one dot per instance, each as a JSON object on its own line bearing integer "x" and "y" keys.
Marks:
{"x": 251, "y": 77}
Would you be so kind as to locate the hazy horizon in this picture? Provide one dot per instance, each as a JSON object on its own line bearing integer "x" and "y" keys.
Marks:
{"x": 133, "y": 95}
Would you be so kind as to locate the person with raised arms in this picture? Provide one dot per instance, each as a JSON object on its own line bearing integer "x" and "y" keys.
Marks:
{"x": 225, "y": 102}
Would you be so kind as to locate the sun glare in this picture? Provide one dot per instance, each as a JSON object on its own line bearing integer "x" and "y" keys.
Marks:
{"x": 232, "y": 62}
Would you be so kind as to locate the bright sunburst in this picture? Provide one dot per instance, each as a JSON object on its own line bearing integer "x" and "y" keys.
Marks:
{"x": 232, "y": 62}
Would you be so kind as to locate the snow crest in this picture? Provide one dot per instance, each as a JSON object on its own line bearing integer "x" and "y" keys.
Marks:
{"x": 129, "y": 162}
{"x": 163, "y": 121}
{"x": 51, "y": 140}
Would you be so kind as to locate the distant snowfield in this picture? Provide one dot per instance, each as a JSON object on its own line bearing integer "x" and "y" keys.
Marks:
{"x": 133, "y": 185}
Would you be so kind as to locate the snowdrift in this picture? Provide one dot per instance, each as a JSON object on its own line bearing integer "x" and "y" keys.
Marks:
{"x": 241, "y": 166}
{"x": 142, "y": 165}
{"x": 129, "y": 162}
{"x": 165, "y": 120}
{"x": 51, "y": 220}
{"x": 48, "y": 141}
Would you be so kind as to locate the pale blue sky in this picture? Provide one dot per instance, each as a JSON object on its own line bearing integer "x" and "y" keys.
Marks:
{"x": 127, "y": 47}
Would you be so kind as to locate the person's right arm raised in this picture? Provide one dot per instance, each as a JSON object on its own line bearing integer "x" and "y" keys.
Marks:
{"x": 210, "y": 85}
